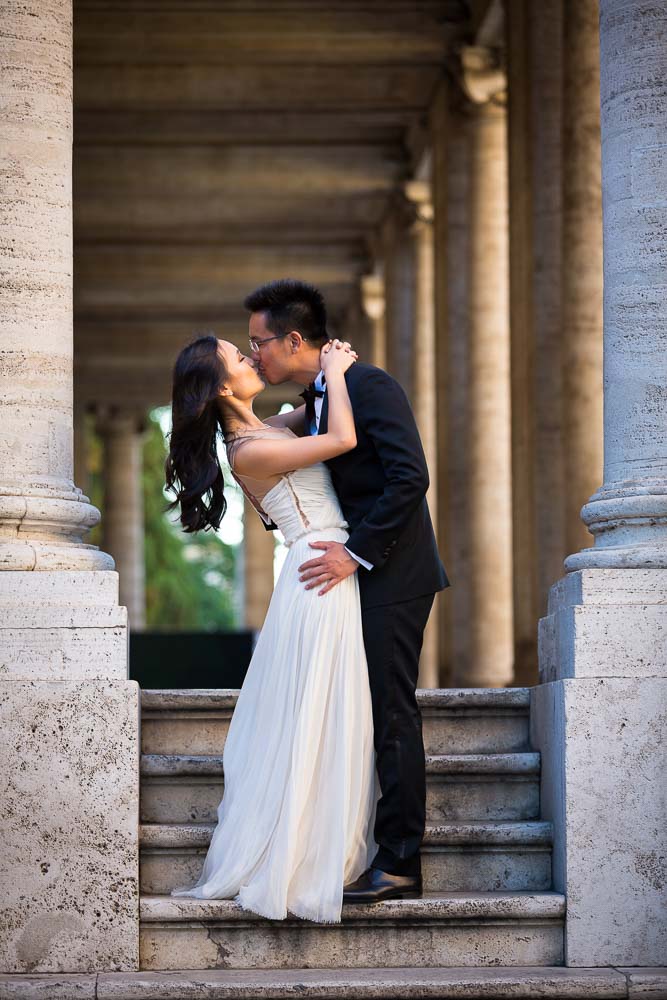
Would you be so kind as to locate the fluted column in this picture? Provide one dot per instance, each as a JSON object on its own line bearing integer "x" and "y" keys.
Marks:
{"x": 628, "y": 513}
{"x": 418, "y": 194}
{"x": 597, "y": 714}
{"x": 69, "y": 717}
{"x": 122, "y": 435}
{"x": 44, "y": 518}
{"x": 258, "y": 548}
{"x": 489, "y": 487}
{"x": 373, "y": 304}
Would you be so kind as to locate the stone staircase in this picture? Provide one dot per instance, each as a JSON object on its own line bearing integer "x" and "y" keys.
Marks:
{"x": 488, "y": 927}
{"x": 486, "y": 856}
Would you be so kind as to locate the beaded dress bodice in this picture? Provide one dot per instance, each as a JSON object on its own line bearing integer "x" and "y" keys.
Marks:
{"x": 302, "y": 501}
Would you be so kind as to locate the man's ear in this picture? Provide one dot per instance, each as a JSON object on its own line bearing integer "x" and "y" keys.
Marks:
{"x": 295, "y": 340}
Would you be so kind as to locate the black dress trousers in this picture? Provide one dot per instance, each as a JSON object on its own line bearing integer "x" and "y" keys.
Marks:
{"x": 393, "y": 636}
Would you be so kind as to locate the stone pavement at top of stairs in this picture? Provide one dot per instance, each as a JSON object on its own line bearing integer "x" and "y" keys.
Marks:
{"x": 554, "y": 983}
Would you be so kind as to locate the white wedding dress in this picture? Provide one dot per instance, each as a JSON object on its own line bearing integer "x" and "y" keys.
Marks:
{"x": 296, "y": 819}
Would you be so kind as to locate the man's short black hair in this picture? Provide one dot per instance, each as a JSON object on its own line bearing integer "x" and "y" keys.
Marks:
{"x": 291, "y": 305}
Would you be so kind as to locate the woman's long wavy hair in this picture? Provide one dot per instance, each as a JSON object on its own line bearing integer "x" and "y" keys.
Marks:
{"x": 192, "y": 467}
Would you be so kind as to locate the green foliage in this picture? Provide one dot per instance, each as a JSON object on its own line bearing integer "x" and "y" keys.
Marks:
{"x": 189, "y": 578}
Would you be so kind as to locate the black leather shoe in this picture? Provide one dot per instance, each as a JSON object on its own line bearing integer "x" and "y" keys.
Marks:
{"x": 374, "y": 885}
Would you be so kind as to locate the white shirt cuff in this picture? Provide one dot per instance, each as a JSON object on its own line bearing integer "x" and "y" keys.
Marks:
{"x": 363, "y": 562}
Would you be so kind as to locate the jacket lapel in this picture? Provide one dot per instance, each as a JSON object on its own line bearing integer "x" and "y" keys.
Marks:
{"x": 324, "y": 415}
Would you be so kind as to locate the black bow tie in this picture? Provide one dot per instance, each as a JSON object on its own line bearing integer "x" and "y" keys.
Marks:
{"x": 310, "y": 394}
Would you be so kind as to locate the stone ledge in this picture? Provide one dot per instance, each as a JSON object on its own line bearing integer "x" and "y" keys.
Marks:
{"x": 608, "y": 586}
{"x": 64, "y": 587}
{"x": 646, "y": 983}
{"x": 517, "y": 983}
{"x": 207, "y": 699}
{"x": 487, "y": 763}
{"x": 458, "y": 906}
{"x": 188, "y": 835}
{"x": 56, "y": 616}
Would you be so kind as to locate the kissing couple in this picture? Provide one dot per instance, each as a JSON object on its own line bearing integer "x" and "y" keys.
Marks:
{"x": 324, "y": 770}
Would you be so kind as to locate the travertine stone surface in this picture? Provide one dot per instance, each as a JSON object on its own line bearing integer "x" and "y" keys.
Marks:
{"x": 646, "y": 984}
{"x": 60, "y": 626}
{"x": 522, "y": 983}
{"x": 606, "y": 623}
{"x": 48, "y": 986}
{"x": 456, "y": 857}
{"x": 628, "y": 514}
{"x": 454, "y": 720}
{"x": 459, "y": 788}
{"x": 604, "y": 761}
{"x": 69, "y": 825}
{"x": 68, "y": 588}
{"x": 43, "y": 517}
{"x": 467, "y": 928}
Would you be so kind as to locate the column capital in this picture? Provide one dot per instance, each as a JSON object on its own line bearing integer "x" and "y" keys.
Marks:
{"x": 114, "y": 419}
{"x": 419, "y": 196}
{"x": 373, "y": 296}
{"x": 482, "y": 75}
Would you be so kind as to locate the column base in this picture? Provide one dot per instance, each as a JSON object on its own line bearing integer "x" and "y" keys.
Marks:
{"x": 45, "y": 532}
{"x": 629, "y": 523}
{"x": 597, "y": 718}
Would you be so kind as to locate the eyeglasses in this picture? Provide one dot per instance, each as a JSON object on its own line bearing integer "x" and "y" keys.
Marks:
{"x": 256, "y": 344}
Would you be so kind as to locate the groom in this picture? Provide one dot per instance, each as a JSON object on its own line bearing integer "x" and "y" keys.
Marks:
{"x": 381, "y": 485}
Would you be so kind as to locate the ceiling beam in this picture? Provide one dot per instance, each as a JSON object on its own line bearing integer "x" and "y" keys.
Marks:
{"x": 105, "y": 127}
{"x": 250, "y": 87}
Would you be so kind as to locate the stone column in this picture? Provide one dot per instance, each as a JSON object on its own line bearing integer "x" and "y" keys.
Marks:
{"x": 418, "y": 194}
{"x": 527, "y": 602}
{"x": 122, "y": 436}
{"x": 599, "y": 711}
{"x": 546, "y": 195}
{"x": 489, "y": 461}
{"x": 581, "y": 267}
{"x": 398, "y": 284}
{"x": 373, "y": 304}
{"x": 68, "y": 716}
{"x": 258, "y": 546}
{"x": 450, "y": 175}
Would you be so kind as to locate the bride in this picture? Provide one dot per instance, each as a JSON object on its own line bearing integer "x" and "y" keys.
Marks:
{"x": 296, "y": 819}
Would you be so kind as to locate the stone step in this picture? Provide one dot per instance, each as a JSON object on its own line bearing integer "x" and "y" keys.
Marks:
{"x": 455, "y": 929}
{"x": 455, "y": 720}
{"x": 186, "y": 788}
{"x": 515, "y": 983}
{"x": 471, "y": 857}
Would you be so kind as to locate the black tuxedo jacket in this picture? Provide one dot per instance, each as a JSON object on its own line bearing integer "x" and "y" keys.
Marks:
{"x": 381, "y": 485}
